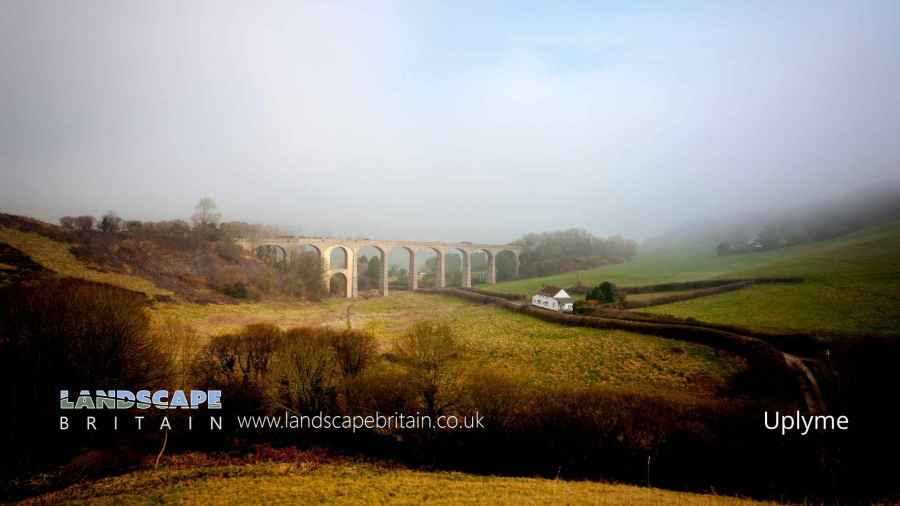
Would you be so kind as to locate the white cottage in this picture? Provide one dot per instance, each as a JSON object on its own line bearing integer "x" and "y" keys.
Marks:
{"x": 554, "y": 299}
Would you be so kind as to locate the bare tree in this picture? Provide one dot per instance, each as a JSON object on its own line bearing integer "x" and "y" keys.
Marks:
{"x": 182, "y": 344}
{"x": 67, "y": 222}
{"x": 110, "y": 222}
{"x": 85, "y": 223}
{"x": 205, "y": 214}
{"x": 428, "y": 350}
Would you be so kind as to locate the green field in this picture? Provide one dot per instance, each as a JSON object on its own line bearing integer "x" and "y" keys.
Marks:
{"x": 652, "y": 296}
{"x": 494, "y": 338}
{"x": 852, "y": 284}
{"x": 355, "y": 483}
{"x": 652, "y": 268}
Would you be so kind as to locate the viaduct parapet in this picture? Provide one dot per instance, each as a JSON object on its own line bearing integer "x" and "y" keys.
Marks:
{"x": 285, "y": 246}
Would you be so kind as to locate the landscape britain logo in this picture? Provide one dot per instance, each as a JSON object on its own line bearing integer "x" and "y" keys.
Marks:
{"x": 125, "y": 400}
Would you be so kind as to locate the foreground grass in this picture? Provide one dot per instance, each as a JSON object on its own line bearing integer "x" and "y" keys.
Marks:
{"x": 495, "y": 338}
{"x": 55, "y": 255}
{"x": 852, "y": 284}
{"x": 356, "y": 483}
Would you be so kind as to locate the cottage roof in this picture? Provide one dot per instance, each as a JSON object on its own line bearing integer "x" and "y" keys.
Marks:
{"x": 557, "y": 293}
{"x": 549, "y": 291}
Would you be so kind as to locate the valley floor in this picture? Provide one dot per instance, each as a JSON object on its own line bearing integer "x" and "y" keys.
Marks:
{"x": 495, "y": 338}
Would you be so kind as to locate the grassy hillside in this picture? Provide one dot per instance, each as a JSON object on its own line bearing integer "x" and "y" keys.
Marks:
{"x": 656, "y": 267}
{"x": 495, "y": 338}
{"x": 55, "y": 255}
{"x": 356, "y": 483}
{"x": 159, "y": 259}
{"x": 852, "y": 284}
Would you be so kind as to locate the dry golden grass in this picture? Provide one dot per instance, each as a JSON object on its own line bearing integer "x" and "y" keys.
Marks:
{"x": 55, "y": 255}
{"x": 496, "y": 338}
{"x": 357, "y": 483}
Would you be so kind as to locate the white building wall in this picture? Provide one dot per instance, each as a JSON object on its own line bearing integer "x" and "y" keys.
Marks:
{"x": 545, "y": 302}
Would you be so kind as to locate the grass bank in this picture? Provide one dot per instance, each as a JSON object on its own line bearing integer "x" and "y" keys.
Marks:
{"x": 357, "y": 483}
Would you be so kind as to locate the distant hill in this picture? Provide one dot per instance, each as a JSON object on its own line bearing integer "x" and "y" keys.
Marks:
{"x": 789, "y": 225}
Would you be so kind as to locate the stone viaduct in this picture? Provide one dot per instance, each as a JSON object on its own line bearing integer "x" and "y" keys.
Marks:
{"x": 324, "y": 246}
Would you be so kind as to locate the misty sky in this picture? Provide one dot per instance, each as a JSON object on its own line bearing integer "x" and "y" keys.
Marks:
{"x": 470, "y": 121}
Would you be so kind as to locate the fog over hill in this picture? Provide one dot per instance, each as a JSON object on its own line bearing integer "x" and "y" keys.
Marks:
{"x": 444, "y": 122}
{"x": 825, "y": 218}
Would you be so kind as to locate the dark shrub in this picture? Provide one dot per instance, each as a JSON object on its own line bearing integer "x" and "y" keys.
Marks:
{"x": 237, "y": 290}
{"x": 563, "y": 430}
{"x": 427, "y": 350}
{"x": 584, "y": 306}
{"x": 242, "y": 365}
{"x": 85, "y": 223}
{"x": 233, "y": 281}
{"x": 110, "y": 222}
{"x": 68, "y": 222}
{"x": 67, "y": 334}
{"x": 264, "y": 369}
{"x": 229, "y": 250}
{"x": 384, "y": 388}
{"x": 354, "y": 351}
{"x": 310, "y": 373}
{"x": 606, "y": 293}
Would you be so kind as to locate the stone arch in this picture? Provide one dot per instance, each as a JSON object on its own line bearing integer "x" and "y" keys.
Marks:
{"x": 481, "y": 260}
{"x": 431, "y": 274}
{"x": 339, "y": 285}
{"x": 365, "y": 277}
{"x": 339, "y": 257}
{"x": 458, "y": 268}
{"x": 307, "y": 269}
{"x": 309, "y": 247}
{"x": 272, "y": 254}
{"x": 507, "y": 264}
{"x": 401, "y": 278}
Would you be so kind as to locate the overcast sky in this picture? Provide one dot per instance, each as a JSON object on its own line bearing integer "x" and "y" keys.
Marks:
{"x": 467, "y": 121}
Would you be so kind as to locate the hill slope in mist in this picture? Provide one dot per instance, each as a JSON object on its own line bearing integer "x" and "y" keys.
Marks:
{"x": 158, "y": 268}
{"x": 851, "y": 283}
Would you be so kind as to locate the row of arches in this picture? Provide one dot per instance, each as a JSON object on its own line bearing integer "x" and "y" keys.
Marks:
{"x": 373, "y": 267}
